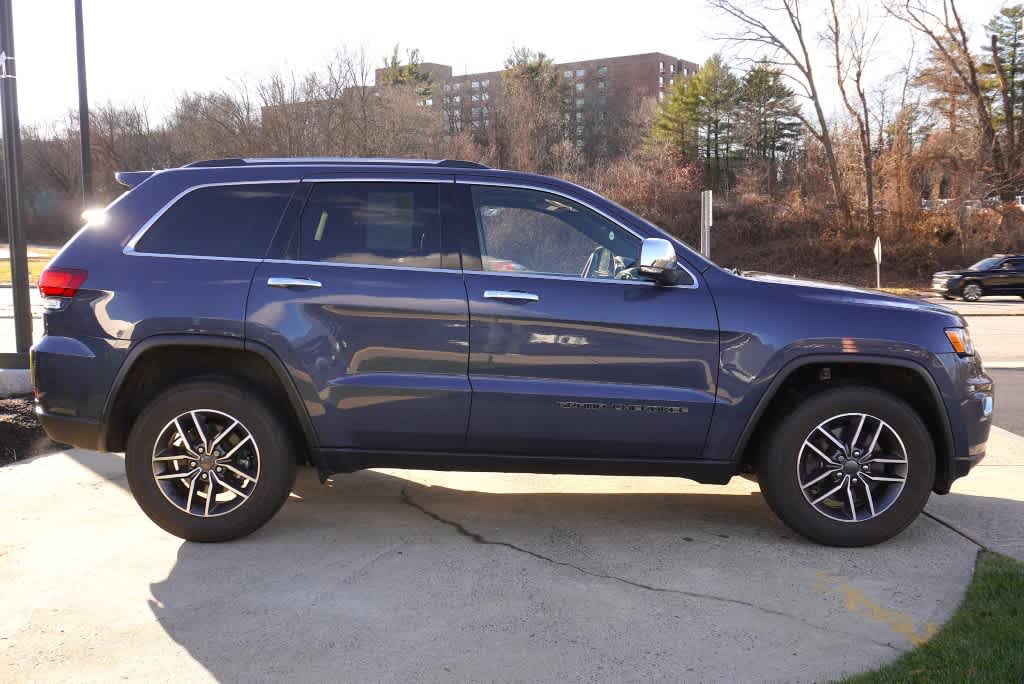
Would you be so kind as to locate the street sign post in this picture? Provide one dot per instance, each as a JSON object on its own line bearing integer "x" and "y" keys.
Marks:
{"x": 705, "y": 222}
{"x": 878, "y": 263}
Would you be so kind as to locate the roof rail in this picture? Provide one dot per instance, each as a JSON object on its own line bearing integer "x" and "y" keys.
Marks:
{"x": 239, "y": 161}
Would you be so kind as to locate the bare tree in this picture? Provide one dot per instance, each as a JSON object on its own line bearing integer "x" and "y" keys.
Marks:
{"x": 790, "y": 49}
{"x": 851, "y": 52}
{"x": 944, "y": 29}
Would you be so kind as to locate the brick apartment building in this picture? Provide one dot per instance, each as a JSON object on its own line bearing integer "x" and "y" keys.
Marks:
{"x": 597, "y": 90}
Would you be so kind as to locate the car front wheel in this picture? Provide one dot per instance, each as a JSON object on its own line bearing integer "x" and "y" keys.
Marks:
{"x": 850, "y": 466}
{"x": 209, "y": 461}
{"x": 972, "y": 292}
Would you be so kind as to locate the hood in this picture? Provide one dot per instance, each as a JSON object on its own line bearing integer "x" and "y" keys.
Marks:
{"x": 952, "y": 274}
{"x": 819, "y": 289}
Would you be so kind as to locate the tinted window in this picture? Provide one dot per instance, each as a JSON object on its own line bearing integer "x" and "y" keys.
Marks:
{"x": 985, "y": 264}
{"x": 538, "y": 232}
{"x": 1015, "y": 264}
{"x": 385, "y": 224}
{"x": 223, "y": 221}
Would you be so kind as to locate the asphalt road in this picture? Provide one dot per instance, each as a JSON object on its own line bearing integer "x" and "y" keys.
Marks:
{"x": 1009, "y": 409}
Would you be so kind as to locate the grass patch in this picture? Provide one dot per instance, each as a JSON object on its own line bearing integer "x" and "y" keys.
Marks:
{"x": 983, "y": 642}
{"x": 35, "y": 267}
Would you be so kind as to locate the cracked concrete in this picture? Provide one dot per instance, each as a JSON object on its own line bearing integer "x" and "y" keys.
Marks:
{"x": 632, "y": 583}
{"x": 425, "y": 576}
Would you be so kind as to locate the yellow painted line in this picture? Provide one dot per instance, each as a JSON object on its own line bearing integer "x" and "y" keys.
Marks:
{"x": 858, "y": 603}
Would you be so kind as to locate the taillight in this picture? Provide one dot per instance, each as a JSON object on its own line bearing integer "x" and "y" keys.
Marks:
{"x": 61, "y": 282}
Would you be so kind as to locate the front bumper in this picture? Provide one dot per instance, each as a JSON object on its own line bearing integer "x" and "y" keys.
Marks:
{"x": 970, "y": 408}
{"x": 946, "y": 285}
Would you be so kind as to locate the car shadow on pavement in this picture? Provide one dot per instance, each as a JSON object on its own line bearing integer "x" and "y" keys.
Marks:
{"x": 376, "y": 577}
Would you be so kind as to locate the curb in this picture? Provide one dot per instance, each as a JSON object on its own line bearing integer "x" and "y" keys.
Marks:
{"x": 1004, "y": 365}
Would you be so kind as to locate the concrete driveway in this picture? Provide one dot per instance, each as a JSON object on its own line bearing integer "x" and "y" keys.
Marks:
{"x": 413, "y": 575}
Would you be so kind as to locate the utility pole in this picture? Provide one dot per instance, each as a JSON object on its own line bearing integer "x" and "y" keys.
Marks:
{"x": 12, "y": 183}
{"x": 83, "y": 108}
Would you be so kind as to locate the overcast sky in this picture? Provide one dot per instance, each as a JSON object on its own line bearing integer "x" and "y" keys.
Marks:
{"x": 151, "y": 52}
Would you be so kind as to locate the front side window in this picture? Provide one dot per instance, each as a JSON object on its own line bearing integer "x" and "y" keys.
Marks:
{"x": 220, "y": 221}
{"x": 531, "y": 231}
{"x": 378, "y": 224}
{"x": 986, "y": 264}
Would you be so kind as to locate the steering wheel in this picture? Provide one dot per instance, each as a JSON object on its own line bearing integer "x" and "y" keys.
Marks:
{"x": 604, "y": 255}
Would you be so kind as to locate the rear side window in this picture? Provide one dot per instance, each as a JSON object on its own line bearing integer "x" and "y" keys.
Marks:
{"x": 220, "y": 221}
{"x": 379, "y": 224}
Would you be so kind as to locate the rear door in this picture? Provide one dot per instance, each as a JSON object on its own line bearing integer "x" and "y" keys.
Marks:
{"x": 570, "y": 354}
{"x": 367, "y": 308}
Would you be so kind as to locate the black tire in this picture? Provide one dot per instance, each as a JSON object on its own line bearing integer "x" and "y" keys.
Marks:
{"x": 972, "y": 292}
{"x": 276, "y": 458}
{"x": 949, "y": 297}
{"x": 778, "y": 467}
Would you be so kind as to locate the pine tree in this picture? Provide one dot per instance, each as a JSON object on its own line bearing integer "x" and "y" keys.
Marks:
{"x": 409, "y": 73}
{"x": 768, "y": 125}
{"x": 697, "y": 118}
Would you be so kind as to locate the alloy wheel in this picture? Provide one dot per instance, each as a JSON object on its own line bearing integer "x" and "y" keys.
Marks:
{"x": 206, "y": 463}
{"x": 972, "y": 292}
{"x": 852, "y": 467}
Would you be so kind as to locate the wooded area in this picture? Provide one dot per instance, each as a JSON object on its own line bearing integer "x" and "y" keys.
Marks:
{"x": 929, "y": 157}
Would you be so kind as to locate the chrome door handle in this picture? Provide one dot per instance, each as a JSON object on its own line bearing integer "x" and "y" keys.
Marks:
{"x": 511, "y": 296}
{"x": 277, "y": 281}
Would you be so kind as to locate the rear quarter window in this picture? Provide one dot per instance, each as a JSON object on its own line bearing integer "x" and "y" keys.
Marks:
{"x": 219, "y": 221}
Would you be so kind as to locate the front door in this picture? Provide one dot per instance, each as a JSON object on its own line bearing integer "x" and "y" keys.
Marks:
{"x": 368, "y": 316}
{"x": 572, "y": 353}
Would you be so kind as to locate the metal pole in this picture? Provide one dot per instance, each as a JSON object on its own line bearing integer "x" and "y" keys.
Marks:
{"x": 705, "y": 222}
{"x": 83, "y": 107}
{"x": 12, "y": 181}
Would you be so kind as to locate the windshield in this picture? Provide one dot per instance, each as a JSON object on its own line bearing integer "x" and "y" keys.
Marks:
{"x": 985, "y": 264}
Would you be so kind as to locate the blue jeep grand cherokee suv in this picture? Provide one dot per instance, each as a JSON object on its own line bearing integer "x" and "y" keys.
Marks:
{"x": 224, "y": 322}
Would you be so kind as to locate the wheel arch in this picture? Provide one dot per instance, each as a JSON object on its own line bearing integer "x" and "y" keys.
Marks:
{"x": 157, "y": 361}
{"x": 904, "y": 378}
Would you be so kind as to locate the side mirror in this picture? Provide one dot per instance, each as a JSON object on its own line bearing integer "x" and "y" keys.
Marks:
{"x": 658, "y": 261}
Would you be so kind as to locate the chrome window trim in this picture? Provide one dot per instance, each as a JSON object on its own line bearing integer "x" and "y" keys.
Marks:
{"x": 538, "y": 188}
{"x": 553, "y": 276}
{"x": 129, "y": 249}
{"x": 345, "y": 264}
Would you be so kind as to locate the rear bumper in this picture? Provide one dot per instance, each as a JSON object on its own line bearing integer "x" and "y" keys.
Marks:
{"x": 79, "y": 432}
{"x": 71, "y": 378}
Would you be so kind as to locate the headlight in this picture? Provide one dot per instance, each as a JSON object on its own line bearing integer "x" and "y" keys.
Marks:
{"x": 960, "y": 340}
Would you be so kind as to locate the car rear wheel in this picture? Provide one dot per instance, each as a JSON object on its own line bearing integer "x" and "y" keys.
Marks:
{"x": 209, "y": 461}
{"x": 972, "y": 292}
{"x": 850, "y": 466}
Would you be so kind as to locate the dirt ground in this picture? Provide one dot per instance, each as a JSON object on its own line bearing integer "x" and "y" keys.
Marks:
{"x": 21, "y": 436}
